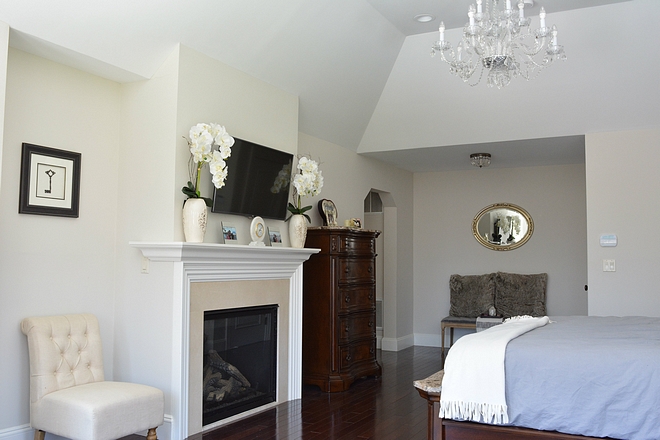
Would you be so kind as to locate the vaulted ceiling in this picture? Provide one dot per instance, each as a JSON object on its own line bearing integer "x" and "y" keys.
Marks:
{"x": 361, "y": 68}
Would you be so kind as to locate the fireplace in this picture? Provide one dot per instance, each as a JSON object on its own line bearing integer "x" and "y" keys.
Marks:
{"x": 205, "y": 276}
{"x": 239, "y": 362}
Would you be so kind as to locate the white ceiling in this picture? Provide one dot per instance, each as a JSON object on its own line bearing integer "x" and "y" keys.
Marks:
{"x": 336, "y": 55}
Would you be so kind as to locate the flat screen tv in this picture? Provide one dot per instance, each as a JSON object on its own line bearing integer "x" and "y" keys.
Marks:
{"x": 257, "y": 182}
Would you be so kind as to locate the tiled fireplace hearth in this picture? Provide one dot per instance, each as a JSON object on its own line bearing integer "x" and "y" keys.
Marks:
{"x": 216, "y": 277}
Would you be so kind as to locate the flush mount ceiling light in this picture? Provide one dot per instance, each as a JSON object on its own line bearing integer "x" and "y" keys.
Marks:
{"x": 502, "y": 43}
{"x": 424, "y": 18}
{"x": 480, "y": 159}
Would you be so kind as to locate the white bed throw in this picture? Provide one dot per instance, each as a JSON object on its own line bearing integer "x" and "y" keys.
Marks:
{"x": 473, "y": 386}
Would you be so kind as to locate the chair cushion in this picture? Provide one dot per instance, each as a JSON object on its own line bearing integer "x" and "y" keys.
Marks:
{"x": 517, "y": 294}
{"x": 471, "y": 295}
{"x": 99, "y": 410}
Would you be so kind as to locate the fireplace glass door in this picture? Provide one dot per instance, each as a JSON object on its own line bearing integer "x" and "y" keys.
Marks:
{"x": 240, "y": 361}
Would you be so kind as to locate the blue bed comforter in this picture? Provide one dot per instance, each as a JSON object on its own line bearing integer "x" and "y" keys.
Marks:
{"x": 593, "y": 376}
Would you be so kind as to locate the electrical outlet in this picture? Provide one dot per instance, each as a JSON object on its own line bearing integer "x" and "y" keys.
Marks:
{"x": 608, "y": 266}
{"x": 145, "y": 265}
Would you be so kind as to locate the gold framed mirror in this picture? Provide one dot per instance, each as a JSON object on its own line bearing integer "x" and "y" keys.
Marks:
{"x": 502, "y": 226}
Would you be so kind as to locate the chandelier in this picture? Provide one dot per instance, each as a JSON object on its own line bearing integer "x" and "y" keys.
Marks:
{"x": 502, "y": 43}
{"x": 480, "y": 159}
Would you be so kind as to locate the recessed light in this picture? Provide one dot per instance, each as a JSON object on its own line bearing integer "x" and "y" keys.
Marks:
{"x": 424, "y": 18}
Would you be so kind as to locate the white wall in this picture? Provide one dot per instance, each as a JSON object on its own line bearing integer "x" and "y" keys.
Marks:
{"x": 156, "y": 115}
{"x": 4, "y": 49}
{"x": 348, "y": 178}
{"x": 53, "y": 265}
{"x": 250, "y": 109}
{"x": 623, "y": 199}
{"x": 445, "y": 205}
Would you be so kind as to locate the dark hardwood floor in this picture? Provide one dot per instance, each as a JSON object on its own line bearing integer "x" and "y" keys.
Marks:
{"x": 388, "y": 408}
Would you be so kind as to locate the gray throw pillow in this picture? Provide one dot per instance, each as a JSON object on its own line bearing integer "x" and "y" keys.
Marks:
{"x": 471, "y": 295}
{"x": 517, "y": 294}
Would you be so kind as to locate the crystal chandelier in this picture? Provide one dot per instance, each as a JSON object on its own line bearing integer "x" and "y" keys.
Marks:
{"x": 480, "y": 159}
{"x": 501, "y": 42}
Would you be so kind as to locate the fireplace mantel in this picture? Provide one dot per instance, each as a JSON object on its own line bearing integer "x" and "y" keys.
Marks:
{"x": 206, "y": 262}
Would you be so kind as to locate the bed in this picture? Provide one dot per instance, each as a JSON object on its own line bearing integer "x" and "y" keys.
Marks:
{"x": 593, "y": 377}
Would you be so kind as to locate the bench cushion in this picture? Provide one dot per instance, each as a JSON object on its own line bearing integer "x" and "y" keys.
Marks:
{"x": 458, "y": 320}
{"x": 471, "y": 295}
{"x": 517, "y": 294}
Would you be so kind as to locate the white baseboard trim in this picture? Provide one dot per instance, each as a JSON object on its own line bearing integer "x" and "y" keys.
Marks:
{"x": 22, "y": 432}
{"x": 398, "y": 344}
{"x": 25, "y": 432}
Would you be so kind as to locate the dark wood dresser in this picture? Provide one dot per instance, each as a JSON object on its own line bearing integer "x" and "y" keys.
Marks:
{"x": 339, "y": 308}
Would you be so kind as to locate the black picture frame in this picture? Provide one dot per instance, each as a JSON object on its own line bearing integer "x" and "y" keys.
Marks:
{"x": 50, "y": 181}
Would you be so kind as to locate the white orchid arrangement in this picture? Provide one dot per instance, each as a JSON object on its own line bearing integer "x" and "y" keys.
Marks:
{"x": 308, "y": 182}
{"x": 208, "y": 143}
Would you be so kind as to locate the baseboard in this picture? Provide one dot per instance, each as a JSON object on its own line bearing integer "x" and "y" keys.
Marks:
{"x": 25, "y": 432}
{"x": 22, "y": 432}
{"x": 392, "y": 344}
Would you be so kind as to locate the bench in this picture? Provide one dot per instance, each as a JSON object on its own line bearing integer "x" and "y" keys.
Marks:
{"x": 511, "y": 294}
{"x": 430, "y": 389}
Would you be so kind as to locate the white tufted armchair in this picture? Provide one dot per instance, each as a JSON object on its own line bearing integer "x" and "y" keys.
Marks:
{"x": 68, "y": 394}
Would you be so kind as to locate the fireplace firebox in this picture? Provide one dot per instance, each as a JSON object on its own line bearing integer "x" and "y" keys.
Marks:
{"x": 240, "y": 361}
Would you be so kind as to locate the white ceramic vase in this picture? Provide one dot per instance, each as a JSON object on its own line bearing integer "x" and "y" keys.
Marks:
{"x": 297, "y": 230}
{"x": 194, "y": 220}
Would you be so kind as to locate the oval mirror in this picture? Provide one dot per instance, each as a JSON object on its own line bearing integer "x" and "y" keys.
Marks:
{"x": 502, "y": 226}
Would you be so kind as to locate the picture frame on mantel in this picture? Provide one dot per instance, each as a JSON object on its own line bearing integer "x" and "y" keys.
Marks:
{"x": 50, "y": 181}
{"x": 274, "y": 237}
{"x": 229, "y": 234}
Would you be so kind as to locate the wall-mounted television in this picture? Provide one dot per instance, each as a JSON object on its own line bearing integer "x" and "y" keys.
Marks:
{"x": 258, "y": 181}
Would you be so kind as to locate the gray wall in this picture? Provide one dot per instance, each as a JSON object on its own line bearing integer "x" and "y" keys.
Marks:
{"x": 445, "y": 205}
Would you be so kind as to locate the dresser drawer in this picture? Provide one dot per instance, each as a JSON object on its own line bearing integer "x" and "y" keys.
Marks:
{"x": 352, "y": 299}
{"x": 356, "y": 270}
{"x": 357, "y": 326}
{"x": 358, "y": 352}
{"x": 342, "y": 244}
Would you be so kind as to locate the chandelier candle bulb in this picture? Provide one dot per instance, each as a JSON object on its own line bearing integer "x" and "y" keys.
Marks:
{"x": 442, "y": 31}
{"x": 542, "y": 18}
{"x": 471, "y": 15}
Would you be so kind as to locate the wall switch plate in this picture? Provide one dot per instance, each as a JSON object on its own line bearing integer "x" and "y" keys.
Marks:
{"x": 608, "y": 266}
{"x": 145, "y": 265}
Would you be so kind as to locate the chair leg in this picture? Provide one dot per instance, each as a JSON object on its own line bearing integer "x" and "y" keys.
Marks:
{"x": 39, "y": 435}
{"x": 151, "y": 435}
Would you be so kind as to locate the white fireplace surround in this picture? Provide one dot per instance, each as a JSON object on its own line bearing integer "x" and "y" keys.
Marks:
{"x": 205, "y": 262}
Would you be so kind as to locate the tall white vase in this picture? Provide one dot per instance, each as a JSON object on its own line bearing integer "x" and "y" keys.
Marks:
{"x": 297, "y": 230}
{"x": 194, "y": 220}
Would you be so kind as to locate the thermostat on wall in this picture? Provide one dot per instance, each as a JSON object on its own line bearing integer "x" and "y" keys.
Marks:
{"x": 608, "y": 240}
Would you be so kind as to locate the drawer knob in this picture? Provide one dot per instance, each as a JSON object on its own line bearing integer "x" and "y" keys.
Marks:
{"x": 371, "y": 296}
{"x": 346, "y": 329}
{"x": 371, "y": 269}
{"x": 371, "y": 350}
{"x": 346, "y": 269}
{"x": 348, "y": 357}
{"x": 371, "y": 323}
{"x": 347, "y": 299}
